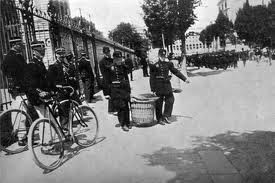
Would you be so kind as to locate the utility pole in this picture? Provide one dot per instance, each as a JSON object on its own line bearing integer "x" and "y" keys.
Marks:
{"x": 90, "y": 22}
{"x": 163, "y": 40}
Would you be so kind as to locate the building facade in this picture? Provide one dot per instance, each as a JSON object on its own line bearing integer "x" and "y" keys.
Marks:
{"x": 230, "y": 8}
{"x": 193, "y": 45}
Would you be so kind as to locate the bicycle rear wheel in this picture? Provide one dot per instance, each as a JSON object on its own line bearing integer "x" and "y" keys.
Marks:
{"x": 14, "y": 126}
{"x": 45, "y": 143}
{"x": 84, "y": 126}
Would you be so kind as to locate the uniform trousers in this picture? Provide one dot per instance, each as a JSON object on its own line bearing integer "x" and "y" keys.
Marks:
{"x": 123, "y": 115}
{"x": 168, "y": 100}
{"x": 120, "y": 97}
{"x": 88, "y": 89}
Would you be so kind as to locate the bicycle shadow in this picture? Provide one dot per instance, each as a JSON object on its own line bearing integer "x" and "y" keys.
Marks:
{"x": 71, "y": 152}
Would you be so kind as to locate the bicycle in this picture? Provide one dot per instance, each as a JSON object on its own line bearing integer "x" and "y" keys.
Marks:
{"x": 14, "y": 124}
{"x": 82, "y": 130}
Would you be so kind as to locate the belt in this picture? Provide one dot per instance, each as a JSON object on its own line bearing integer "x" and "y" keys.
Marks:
{"x": 118, "y": 82}
{"x": 164, "y": 78}
{"x": 160, "y": 77}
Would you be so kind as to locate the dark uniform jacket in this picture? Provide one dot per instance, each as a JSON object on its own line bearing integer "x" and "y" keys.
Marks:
{"x": 120, "y": 89}
{"x": 13, "y": 66}
{"x": 35, "y": 78}
{"x": 57, "y": 75}
{"x": 160, "y": 79}
{"x": 104, "y": 69}
{"x": 130, "y": 64}
{"x": 62, "y": 74}
{"x": 85, "y": 69}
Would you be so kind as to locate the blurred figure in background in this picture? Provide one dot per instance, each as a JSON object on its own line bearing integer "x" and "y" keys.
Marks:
{"x": 86, "y": 76}
{"x": 130, "y": 65}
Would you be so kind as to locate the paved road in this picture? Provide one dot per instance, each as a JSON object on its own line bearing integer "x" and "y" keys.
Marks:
{"x": 222, "y": 132}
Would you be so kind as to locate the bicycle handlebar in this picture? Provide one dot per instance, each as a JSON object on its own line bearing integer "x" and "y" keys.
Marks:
{"x": 66, "y": 87}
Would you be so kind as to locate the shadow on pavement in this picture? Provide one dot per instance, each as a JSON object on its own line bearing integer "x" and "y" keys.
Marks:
{"x": 251, "y": 153}
{"x": 206, "y": 73}
{"x": 97, "y": 98}
{"x": 71, "y": 152}
{"x": 146, "y": 125}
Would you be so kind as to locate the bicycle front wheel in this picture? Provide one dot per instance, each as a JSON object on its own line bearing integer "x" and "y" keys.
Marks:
{"x": 84, "y": 126}
{"x": 45, "y": 143}
{"x": 14, "y": 126}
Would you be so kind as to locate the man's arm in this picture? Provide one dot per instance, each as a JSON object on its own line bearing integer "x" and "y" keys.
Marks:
{"x": 176, "y": 72}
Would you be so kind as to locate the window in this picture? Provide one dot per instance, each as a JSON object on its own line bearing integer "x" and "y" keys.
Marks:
{"x": 194, "y": 46}
{"x": 197, "y": 45}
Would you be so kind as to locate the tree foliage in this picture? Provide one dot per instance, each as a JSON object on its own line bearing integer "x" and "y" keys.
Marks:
{"x": 208, "y": 34}
{"x": 159, "y": 18}
{"x": 252, "y": 24}
{"x": 126, "y": 34}
{"x": 222, "y": 28}
{"x": 86, "y": 25}
{"x": 170, "y": 17}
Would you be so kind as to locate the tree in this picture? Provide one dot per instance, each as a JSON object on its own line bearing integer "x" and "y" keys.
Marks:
{"x": 224, "y": 27}
{"x": 86, "y": 25}
{"x": 160, "y": 18}
{"x": 186, "y": 17}
{"x": 208, "y": 34}
{"x": 173, "y": 17}
{"x": 252, "y": 25}
{"x": 127, "y": 35}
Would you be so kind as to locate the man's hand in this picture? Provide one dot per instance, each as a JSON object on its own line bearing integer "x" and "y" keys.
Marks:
{"x": 187, "y": 81}
{"x": 43, "y": 94}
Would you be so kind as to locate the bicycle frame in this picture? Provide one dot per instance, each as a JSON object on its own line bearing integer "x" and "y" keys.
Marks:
{"x": 72, "y": 111}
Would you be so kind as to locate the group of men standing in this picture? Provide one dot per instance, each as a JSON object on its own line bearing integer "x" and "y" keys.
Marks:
{"x": 116, "y": 85}
{"x": 37, "y": 82}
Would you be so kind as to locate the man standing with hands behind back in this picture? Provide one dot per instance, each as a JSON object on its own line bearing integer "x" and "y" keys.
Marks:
{"x": 162, "y": 86}
{"x": 130, "y": 65}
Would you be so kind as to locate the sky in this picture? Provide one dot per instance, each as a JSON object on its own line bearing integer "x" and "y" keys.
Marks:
{"x": 107, "y": 14}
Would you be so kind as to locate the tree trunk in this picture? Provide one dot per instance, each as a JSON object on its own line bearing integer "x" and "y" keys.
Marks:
{"x": 183, "y": 56}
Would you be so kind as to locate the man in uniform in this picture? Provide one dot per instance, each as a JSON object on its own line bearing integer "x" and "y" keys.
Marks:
{"x": 162, "y": 86}
{"x": 13, "y": 65}
{"x": 104, "y": 69}
{"x": 144, "y": 64}
{"x": 120, "y": 89}
{"x": 86, "y": 76}
{"x": 103, "y": 65}
{"x": 130, "y": 65}
{"x": 72, "y": 72}
{"x": 35, "y": 81}
{"x": 58, "y": 74}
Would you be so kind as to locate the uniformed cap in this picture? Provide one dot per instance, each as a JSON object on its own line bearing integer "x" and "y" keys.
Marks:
{"x": 60, "y": 51}
{"x": 16, "y": 41}
{"x": 83, "y": 52}
{"x": 117, "y": 54}
{"x": 37, "y": 45}
{"x": 69, "y": 55}
{"x": 162, "y": 52}
{"x": 106, "y": 49}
